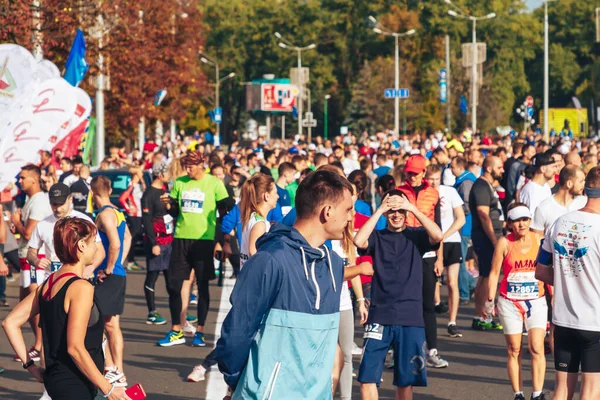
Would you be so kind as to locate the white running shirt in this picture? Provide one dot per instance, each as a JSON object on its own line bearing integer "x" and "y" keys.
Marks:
{"x": 533, "y": 194}
{"x": 255, "y": 218}
{"x": 345, "y": 299}
{"x": 449, "y": 200}
{"x": 574, "y": 242}
{"x": 549, "y": 210}
{"x": 37, "y": 207}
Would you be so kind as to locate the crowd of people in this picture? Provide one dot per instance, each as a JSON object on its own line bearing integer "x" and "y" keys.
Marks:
{"x": 323, "y": 237}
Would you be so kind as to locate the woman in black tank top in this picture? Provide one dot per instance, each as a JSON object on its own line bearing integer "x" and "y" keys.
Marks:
{"x": 71, "y": 324}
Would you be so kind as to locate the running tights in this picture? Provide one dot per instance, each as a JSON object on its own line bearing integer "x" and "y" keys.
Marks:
{"x": 175, "y": 301}
{"x": 429, "y": 282}
{"x": 151, "y": 277}
{"x": 346, "y": 340}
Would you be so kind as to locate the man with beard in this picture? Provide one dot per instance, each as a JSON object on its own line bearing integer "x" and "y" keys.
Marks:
{"x": 487, "y": 223}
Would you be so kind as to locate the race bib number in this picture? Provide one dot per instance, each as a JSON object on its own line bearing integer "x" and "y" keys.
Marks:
{"x": 522, "y": 286}
{"x": 55, "y": 266}
{"x": 169, "y": 225}
{"x": 192, "y": 201}
{"x": 373, "y": 331}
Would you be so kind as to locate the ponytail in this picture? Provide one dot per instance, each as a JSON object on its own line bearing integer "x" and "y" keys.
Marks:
{"x": 251, "y": 195}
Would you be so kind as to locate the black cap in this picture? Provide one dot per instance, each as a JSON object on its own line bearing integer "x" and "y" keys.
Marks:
{"x": 58, "y": 193}
{"x": 542, "y": 159}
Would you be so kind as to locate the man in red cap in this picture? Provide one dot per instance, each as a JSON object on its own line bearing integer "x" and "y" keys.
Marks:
{"x": 426, "y": 198}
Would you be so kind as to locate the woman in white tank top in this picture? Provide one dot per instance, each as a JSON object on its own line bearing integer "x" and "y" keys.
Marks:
{"x": 258, "y": 197}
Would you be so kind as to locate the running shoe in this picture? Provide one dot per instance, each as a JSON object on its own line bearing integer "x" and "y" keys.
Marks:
{"x": 115, "y": 377}
{"x": 540, "y": 397}
{"x": 435, "y": 361}
{"x": 33, "y": 355}
{"x": 45, "y": 396}
{"x": 193, "y": 299}
{"x": 154, "y": 318}
{"x": 1, "y": 370}
{"x": 191, "y": 318}
{"x": 10, "y": 278}
{"x": 441, "y": 308}
{"x": 389, "y": 364}
{"x": 4, "y": 303}
{"x": 133, "y": 266}
{"x": 519, "y": 397}
{"x": 453, "y": 331}
{"x": 173, "y": 338}
{"x": 189, "y": 329}
{"x": 198, "y": 340}
{"x": 356, "y": 351}
{"x": 464, "y": 302}
{"x": 198, "y": 374}
{"x": 479, "y": 325}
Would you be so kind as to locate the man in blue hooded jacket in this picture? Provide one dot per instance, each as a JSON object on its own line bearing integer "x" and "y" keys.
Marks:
{"x": 279, "y": 339}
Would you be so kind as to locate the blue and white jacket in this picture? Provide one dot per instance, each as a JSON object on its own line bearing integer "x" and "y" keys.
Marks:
{"x": 279, "y": 339}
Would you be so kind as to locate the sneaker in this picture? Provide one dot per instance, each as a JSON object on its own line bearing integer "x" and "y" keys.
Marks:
{"x": 464, "y": 302}
{"x": 45, "y": 396}
{"x": 155, "y": 318}
{"x": 4, "y": 303}
{"x": 389, "y": 364}
{"x": 435, "y": 361}
{"x": 115, "y": 377}
{"x": 540, "y": 397}
{"x": 1, "y": 370}
{"x": 191, "y": 318}
{"x": 519, "y": 397}
{"x": 171, "y": 339}
{"x": 198, "y": 374}
{"x": 133, "y": 266}
{"x": 198, "y": 340}
{"x": 356, "y": 351}
{"x": 193, "y": 299}
{"x": 10, "y": 278}
{"x": 33, "y": 355}
{"x": 479, "y": 325}
{"x": 453, "y": 331}
{"x": 441, "y": 308}
{"x": 189, "y": 329}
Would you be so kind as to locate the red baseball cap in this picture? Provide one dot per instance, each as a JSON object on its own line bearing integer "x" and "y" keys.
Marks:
{"x": 415, "y": 164}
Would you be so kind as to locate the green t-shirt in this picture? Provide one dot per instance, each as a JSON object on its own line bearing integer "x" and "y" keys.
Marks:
{"x": 197, "y": 206}
{"x": 292, "y": 188}
{"x": 275, "y": 173}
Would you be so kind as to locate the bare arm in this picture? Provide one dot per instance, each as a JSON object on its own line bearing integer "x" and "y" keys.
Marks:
{"x": 365, "y": 268}
{"x": 22, "y": 313}
{"x": 126, "y": 242}
{"x": 459, "y": 221}
{"x": 432, "y": 229}
{"x": 257, "y": 231}
{"x": 497, "y": 260}
{"x": 2, "y": 226}
{"x": 486, "y": 223}
{"x": 24, "y": 230}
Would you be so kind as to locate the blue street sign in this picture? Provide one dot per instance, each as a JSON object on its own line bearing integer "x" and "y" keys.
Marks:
{"x": 218, "y": 111}
{"x": 393, "y": 93}
{"x": 443, "y": 86}
{"x": 530, "y": 111}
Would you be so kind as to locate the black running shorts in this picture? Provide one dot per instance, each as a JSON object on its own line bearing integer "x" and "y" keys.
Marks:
{"x": 573, "y": 347}
{"x": 189, "y": 253}
{"x": 452, "y": 253}
{"x": 110, "y": 295}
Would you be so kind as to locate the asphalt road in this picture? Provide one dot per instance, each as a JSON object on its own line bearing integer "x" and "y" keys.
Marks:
{"x": 477, "y": 360}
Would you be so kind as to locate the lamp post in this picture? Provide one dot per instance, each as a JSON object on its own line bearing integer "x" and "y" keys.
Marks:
{"x": 546, "y": 72}
{"x": 214, "y": 62}
{"x": 382, "y": 30}
{"x": 325, "y": 125}
{"x": 285, "y": 44}
{"x": 461, "y": 14}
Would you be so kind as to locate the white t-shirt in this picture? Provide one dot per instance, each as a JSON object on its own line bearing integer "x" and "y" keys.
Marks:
{"x": 350, "y": 165}
{"x": 255, "y": 218}
{"x": 549, "y": 210}
{"x": 42, "y": 238}
{"x": 37, "y": 207}
{"x": 574, "y": 242}
{"x": 449, "y": 200}
{"x": 533, "y": 194}
{"x": 345, "y": 299}
{"x": 71, "y": 179}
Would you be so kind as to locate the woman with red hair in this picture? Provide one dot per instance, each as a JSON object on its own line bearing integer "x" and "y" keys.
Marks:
{"x": 71, "y": 324}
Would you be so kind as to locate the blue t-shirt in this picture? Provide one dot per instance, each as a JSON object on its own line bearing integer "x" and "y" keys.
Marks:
{"x": 284, "y": 197}
{"x": 362, "y": 207}
{"x": 381, "y": 171}
{"x": 397, "y": 286}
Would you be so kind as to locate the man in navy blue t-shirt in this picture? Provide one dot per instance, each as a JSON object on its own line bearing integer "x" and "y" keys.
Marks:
{"x": 395, "y": 316}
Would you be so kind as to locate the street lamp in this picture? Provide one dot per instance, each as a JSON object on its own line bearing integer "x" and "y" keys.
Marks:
{"x": 214, "y": 62}
{"x": 382, "y": 30}
{"x": 285, "y": 44}
{"x": 546, "y": 78}
{"x": 459, "y": 13}
{"x": 326, "y": 128}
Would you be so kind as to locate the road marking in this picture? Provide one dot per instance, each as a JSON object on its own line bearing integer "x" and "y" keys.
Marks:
{"x": 216, "y": 388}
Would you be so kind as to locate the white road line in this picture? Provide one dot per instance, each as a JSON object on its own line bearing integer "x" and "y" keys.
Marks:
{"x": 216, "y": 388}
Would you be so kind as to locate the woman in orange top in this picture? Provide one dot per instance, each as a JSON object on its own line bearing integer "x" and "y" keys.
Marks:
{"x": 521, "y": 299}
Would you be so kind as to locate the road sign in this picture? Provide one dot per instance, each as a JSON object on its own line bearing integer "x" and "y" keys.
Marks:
{"x": 530, "y": 111}
{"x": 393, "y": 93}
{"x": 218, "y": 115}
{"x": 343, "y": 130}
{"x": 443, "y": 86}
{"x": 308, "y": 121}
{"x": 529, "y": 101}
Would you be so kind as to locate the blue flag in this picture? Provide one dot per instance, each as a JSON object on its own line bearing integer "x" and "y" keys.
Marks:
{"x": 463, "y": 105}
{"x": 76, "y": 66}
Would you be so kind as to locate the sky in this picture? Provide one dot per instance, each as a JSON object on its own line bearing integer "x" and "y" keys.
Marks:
{"x": 533, "y": 3}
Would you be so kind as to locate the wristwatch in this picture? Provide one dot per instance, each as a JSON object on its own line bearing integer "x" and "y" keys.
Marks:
{"x": 28, "y": 364}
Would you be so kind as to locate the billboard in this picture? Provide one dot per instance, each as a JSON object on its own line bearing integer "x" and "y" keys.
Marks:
{"x": 278, "y": 97}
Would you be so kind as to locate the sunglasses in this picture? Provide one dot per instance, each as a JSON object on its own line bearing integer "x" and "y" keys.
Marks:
{"x": 392, "y": 212}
